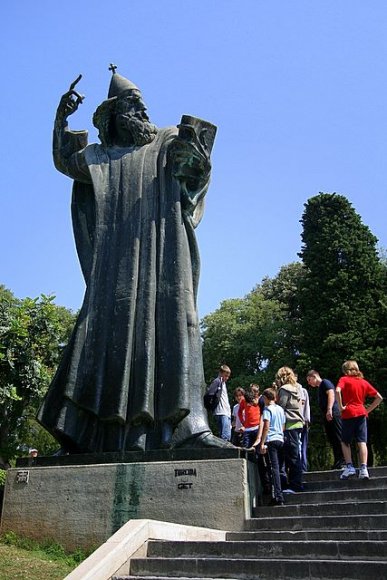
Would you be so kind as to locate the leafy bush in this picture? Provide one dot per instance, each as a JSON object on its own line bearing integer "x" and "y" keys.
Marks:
{"x": 47, "y": 549}
{"x": 3, "y": 475}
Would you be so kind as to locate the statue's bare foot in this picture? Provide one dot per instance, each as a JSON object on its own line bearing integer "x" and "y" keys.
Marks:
{"x": 136, "y": 438}
{"x": 206, "y": 439}
{"x": 61, "y": 452}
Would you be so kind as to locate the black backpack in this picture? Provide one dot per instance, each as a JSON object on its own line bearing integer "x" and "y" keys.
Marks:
{"x": 212, "y": 396}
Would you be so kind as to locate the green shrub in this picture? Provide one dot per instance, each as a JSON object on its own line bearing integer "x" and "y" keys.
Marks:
{"x": 3, "y": 475}
{"x": 48, "y": 549}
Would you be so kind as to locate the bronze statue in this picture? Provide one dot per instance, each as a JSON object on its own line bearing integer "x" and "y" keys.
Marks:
{"x": 132, "y": 374}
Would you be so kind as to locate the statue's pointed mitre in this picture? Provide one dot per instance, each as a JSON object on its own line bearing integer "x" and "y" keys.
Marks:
{"x": 119, "y": 85}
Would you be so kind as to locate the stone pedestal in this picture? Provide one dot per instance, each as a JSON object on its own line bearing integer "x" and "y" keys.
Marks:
{"x": 83, "y": 505}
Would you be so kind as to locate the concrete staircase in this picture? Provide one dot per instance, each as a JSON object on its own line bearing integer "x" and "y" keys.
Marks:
{"x": 333, "y": 530}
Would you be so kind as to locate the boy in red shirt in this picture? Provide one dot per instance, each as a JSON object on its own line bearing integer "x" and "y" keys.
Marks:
{"x": 351, "y": 393}
{"x": 249, "y": 414}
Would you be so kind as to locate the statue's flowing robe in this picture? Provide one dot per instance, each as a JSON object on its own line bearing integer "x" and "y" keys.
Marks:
{"x": 134, "y": 357}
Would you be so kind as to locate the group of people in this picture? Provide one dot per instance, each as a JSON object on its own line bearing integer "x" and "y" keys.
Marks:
{"x": 276, "y": 423}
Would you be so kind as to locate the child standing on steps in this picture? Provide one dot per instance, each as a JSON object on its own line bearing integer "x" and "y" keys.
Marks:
{"x": 351, "y": 393}
{"x": 273, "y": 441}
{"x": 249, "y": 414}
{"x": 237, "y": 432}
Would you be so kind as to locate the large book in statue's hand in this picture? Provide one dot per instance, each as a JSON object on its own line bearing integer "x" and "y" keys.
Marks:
{"x": 198, "y": 132}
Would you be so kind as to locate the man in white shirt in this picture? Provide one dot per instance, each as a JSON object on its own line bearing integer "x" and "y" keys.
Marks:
{"x": 222, "y": 411}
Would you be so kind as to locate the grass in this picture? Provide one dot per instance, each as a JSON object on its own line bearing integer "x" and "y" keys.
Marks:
{"x": 23, "y": 564}
{"x": 23, "y": 558}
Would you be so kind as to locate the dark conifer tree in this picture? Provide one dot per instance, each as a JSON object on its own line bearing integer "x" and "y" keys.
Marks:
{"x": 341, "y": 289}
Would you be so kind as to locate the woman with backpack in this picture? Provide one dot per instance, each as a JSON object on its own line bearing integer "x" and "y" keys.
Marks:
{"x": 290, "y": 399}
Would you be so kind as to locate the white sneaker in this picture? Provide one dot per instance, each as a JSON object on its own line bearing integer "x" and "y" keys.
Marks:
{"x": 348, "y": 472}
{"x": 363, "y": 473}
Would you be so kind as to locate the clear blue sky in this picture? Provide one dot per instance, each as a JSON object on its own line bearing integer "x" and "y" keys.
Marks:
{"x": 297, "y": 88}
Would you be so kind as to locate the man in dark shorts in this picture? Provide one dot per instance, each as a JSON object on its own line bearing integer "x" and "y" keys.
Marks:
{"x": 330, "y": 414}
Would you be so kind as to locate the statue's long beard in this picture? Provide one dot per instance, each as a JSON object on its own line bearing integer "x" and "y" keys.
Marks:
{"x": 142, "y": 132}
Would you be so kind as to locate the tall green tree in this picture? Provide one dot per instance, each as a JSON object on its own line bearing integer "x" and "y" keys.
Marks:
{"x": 381, "y": 370}
{"x": 341, "y": 289}
{"x": 241, "y": 334}
{"x": 256, "y": 334}
{"x": 33, "y": 333}
{"x": 342, "y": 299}
{"x": 284, "y": 289}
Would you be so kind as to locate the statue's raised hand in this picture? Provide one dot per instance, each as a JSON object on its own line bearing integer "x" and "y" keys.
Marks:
{"x": 70, "y": 101}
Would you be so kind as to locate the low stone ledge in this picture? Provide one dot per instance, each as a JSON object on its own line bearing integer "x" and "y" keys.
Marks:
{"x": 158, "y": 455}
{"x": 114, "y": 555}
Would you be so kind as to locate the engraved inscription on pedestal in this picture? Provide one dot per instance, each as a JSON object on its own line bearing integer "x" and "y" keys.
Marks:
{"x": 184, "y": 484}
{"x": 22, "y": 476}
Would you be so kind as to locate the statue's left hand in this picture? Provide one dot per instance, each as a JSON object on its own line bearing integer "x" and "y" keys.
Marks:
{"x": 70, "y": 101}
{"x": 188, "y": 160}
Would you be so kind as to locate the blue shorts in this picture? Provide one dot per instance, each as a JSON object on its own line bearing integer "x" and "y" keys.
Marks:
{"x": 354, "y": 428}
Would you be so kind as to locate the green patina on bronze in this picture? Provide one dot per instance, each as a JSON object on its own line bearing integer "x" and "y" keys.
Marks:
{"x": 127, "y": 494}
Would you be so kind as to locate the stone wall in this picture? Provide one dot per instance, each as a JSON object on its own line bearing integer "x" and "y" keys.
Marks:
{"x": 83, "y": 505}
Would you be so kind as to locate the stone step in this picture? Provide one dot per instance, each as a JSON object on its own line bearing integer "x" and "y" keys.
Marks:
{"x": 343, "y": 522}
{"x": 256, "y": 569}
{"x": 335, "y": 474}
{"x": 348, "y": 508}
{"x": 323, "y": 550}
{"x": 163, "y": 578}
{"x": 333, "y": 530}
{"x": 337, "y": 495}
{"x": 354, "y": 482}
{"x": 313, "y": 535}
